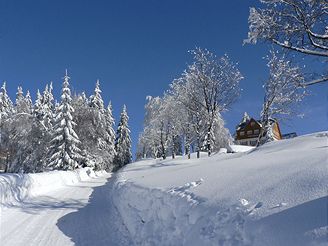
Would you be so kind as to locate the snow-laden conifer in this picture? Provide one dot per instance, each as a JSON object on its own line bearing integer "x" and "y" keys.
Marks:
{"x": 64, "y": 152}
{"x": 38, "y": 107}
{"x": 109, "y": 124}
{"x": 6, "y": 105}
{"x": 123, "y": 141}
{"x": 28, "y": 101}
{"x": 96, "y": 100}
{"x": 47, "y": 106}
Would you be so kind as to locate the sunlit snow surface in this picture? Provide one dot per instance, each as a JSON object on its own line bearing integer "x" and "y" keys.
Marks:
{"x": 273, "y": 195}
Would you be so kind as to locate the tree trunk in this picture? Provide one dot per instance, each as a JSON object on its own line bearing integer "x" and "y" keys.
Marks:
{"x": 162, "y": 144}
{"x": 198, "y": 147}
{"x": 209, "y": 142}
{"x": 263, "y": 132}
{"x": 173, "y": 147}
{"x": 187, "y": 149}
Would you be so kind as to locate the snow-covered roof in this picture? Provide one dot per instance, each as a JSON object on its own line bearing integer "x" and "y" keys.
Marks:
{"x": 246, "y": 119}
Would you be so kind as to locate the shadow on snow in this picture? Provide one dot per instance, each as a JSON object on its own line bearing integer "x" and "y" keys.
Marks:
{"x": 97, "y": 223}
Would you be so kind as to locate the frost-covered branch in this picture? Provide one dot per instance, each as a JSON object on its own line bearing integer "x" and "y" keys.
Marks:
{"x": 282, "y": 92}
{"x": 295, "y": 25}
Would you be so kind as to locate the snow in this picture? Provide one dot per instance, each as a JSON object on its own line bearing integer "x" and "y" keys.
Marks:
{"x": 59, "y": 208}
{"x": 241, "y": 148}
{"x": 16, "y": 188}
{"x": 273, "y": 195}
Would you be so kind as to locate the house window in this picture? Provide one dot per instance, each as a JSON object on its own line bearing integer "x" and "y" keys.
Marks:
{"x": 253, "y": 143}
{"x": 252, "y": 123}
{"x": 256, "y": 131}
{"x": 250, "y": 132}
{"x": 242, "y": 133}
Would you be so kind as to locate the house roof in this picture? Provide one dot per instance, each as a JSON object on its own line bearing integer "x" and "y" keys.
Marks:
{"x": 246, "y": 119}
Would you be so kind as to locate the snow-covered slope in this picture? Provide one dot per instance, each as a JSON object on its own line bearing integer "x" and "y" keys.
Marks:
{"x": 59, "y": 208}
{"x": 15, "y": 188}
{"x": 273, "y": 195}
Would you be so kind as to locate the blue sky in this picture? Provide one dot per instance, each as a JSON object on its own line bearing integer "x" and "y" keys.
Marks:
{"x": 135, "y": 48}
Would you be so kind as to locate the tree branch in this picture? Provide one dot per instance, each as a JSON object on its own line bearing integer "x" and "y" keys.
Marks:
{"x": 302, "y": 50}
{"x": 316, "y": 81}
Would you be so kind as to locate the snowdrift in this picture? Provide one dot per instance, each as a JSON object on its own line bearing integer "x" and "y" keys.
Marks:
{"x": 15, "y": 188}
{"x": 273, "y": 195}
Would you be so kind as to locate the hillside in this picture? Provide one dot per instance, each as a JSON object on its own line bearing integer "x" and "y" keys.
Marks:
{"x": 274, "y": 195}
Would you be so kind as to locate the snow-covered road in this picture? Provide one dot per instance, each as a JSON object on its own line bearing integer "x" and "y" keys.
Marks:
{"x": 80, "y": 214}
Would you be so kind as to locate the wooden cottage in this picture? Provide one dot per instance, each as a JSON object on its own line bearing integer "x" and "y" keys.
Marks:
{"x": 248, "y": 131}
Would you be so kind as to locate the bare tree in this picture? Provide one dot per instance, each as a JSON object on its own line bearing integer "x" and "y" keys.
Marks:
{"x": 295, "y": 25}
{"x": 193, "y": 115}
{"x": 217, "y": 86}
{"x": 282, "y": 93}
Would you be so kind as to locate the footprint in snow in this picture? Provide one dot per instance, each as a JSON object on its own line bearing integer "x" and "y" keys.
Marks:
{"x": 250, "y": 208}
{"x": 187, "y": 186}
{"x": 282, "y": 204}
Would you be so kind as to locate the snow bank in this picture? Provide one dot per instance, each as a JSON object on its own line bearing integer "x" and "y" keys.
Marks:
{"x": 240, "y": 148}
{"x": 15, "y": 188}
{"x": 273, "y": 195}
{"x": 177, "y": 217}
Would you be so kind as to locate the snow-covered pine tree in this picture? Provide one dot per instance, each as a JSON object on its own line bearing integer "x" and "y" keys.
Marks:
{"x": 109, "y": 123}
{"x": 51, "y": 97}
{"x": 47, "y": 107}
{"x": 96, "y": 100}
{"x": 18, "y": 135}
{"x": 64, "y": 152}
{"x": 6, "y": 105}
{"x": 123, "y": 141}
{"x": 99, "y": 147}
{"x": 37, "y": 109}
{"x": 20, "y": 102}
{"x": 28, "y": 101}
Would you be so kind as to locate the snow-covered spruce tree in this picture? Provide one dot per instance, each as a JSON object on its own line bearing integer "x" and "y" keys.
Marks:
{"x": 29, "y": 103}
{"x": 64, "y": 152}
{"x": 83, "y": 119}
{"x": 123, "y": 142}
{"x": 44, "y": 107}
{"x": 96, "y": 100}
{"x": 39, "y": 135}
{"x": 102, "y": 143}
{"x": 94, "y": 126}
{"x": 38, "y": 107}
{"x": 47, "y": 106}
{"x": 299, "y": 26}
{"x": 282, "y": 93}
{"x": 6, "y": 111}
{"x": 109, "y": 124}
{"x": 6, "y": 105}
{"x": 20, "y": 100}
{"x": 27, "y": 139}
